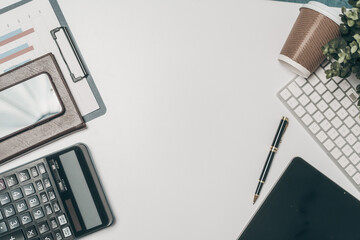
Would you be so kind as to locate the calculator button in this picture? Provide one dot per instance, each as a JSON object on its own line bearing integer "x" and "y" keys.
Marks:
{"x": 25, "y": 218}
{"x": 16, "y": 194}
{"x": 53, "y": 223}
{"x": 43, "y": 227}
{"x": 13, "y": 223}
{"x": 39, "y": 185}
{"x": 3, "y": 227}
{"x": 44, "y": 197}
{"x": 21, "y": 206}
{"x": 62, "y": 219}
{"x": 34, "y": 201}
{"x": 47, "y": 183}
{"x": 11, "y": 180}
{"x": 31, "y": 232}
{"x": 56, "y": 207}
{"x": 58, "y": 235}
{"x": 42, "y": 168}
{"x": 9, "y": 211}
{"x": 48, "y": 237}
{"x": 48, "y": 209}
{"x": 2, "y": 184}
{"x": 38, "y": 213}
{"x": 29, "y": 189}
{"x": 4, "y": 198}
{"x": 24, "y": 175}
{"x": 34, "y": 172}
{"x": 51, "y": 195}
{"x": 66, "y": 232}
{"x": 18, "y": 235}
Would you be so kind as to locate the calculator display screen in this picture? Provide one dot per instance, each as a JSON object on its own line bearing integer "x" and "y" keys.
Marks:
{"x": 80, "y": 190}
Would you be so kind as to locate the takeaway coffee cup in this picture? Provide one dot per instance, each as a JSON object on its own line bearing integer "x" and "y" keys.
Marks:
{"x": 315, "y": 26}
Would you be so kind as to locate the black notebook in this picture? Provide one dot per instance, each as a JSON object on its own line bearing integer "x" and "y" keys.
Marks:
{"x": 305, "y": 205}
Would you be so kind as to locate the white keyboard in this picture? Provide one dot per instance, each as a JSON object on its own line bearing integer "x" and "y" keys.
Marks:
{"x": 327, "y": 110}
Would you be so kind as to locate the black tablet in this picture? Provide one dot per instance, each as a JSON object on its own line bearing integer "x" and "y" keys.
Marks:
{"x": 305, "y": 205}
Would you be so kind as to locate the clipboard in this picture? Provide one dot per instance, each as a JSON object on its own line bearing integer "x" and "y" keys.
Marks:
{"x": 24, "y": 34}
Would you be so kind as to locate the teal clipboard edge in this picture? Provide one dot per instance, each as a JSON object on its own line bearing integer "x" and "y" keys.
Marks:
{"x": 60, "y": 16}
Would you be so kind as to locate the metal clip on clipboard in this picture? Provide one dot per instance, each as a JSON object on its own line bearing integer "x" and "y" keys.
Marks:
{"x": 74, "y": 50}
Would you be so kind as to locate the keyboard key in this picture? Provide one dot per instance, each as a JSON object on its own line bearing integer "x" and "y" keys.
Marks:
{"x": 335, "y": 105}
{"x": 332, "y": 133}
{"x": 43, "y": 227}
{"x": 58, "y": 235}
{"x": 34, "y": 201}
{"x": 339, "y": 94}
{"x": 329, "y": 144}
{"x": 31, "y": 232}
{"x": 356, "y": 130}
{"x": 39, "y": 185}
{"x": 344, "y": 130}
{"x": 357, "y": 147}
{"x": 337, "y": 79}
{"x": 351, "y": 139}
{"x": 29, "y": 189}
{"x": 315, "y": 97}
{"x": 353, "y": 110}
{"x": 44, "y": 197}
{"x": 300, "y": 111}
{"x": 340, "y": 142}
{"x": 356, "y": 178}
{"x": 25, "y": 218}
{"x": 24, "y": 175}
{"x": 42, "y": 168}
{"x": 21, "y": 206}
{"x": 345, "y": 102}
{"x": 16, "y": 194}
{"x": 2, "y": 184}
{"x": 56, "y": 206}
{"x": 53, "y": 223}
{"x": 38, "y": 213}
{"x": 347, "y": 150}
{"x": 48, "y": 237}
{"x": 48, "y": 209}
{"x": 354, "y": 158}
{"x": 304, "y": 100}
{"x": 51, "y": 195}
{"x": 292, "y": 102}
{"x": 322, "y": 106}
{"x": 331, "y": 85}
{"x": 62, "y": 219}
{"x": 17, "y": 235}
{"x": 314, "y": 128}
{"x": 310, "y": 108}
{"x": 318, "y": 116}
{"x": 343, "y": 161}
{"x": 321, "y": 136}
{"x": 321, "y": 74}
{"x": 344, "y": 85}
{"x": 307, "y": 88}
{"x": 300, "y": 81}
{"x": 325, "y": 125}
{"x": 350, "y": 169}
{"x": 13, "y": 223}
{"x": 320, "y": 88}
{"x": 351, "y": 93}
{"x": 342, "y": 113}
{"x": 349, "y": 121}
{"x": 47, "y": 183}
{"x": 66, "y": 232}
{"x": 313, "y": 80}
{"x": 9, "y": 211}
{"x": 34, "y": 172}
{"x": 4, "y": 198}
{"x": 3, "y": 227}
{"x": 336, "y": 122}
{"x": 329, "y": 114}
{"x": 11, "y": 180}
{"x": 328, "y": 97}
{"x": 336, "y": 153}
{"x": 307, "y": 119}
{"x": 294, "y": 89}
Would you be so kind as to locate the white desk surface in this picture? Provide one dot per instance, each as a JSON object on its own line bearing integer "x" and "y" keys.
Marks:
{"x": 190, "y": 88}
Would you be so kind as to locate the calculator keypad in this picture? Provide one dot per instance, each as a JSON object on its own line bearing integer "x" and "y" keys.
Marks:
{"x": 29, "y": 207}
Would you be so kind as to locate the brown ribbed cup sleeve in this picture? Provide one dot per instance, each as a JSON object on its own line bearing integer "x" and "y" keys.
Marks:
{"x": 311, "y": 31}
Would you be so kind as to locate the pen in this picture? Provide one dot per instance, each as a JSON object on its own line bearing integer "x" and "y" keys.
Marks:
{"x": 273, "y": 149}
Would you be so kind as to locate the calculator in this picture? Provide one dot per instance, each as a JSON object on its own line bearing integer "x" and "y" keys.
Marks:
{"x": 56, "y": 197}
